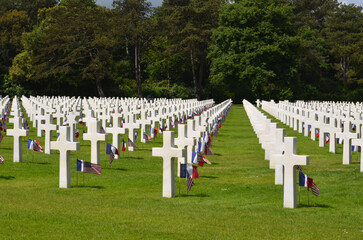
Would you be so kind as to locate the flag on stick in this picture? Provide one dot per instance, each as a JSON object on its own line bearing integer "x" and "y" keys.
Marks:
{"x": 190, "y": 182}
{"x": 34, "y": 145}
{"x": 131, "y": 143}
{"x": 112, "y": 150}
{"x": 123, "y": 145}
{"x": 1, "y": 160}
{"x": 87, "y": 167}
{"x": 147, "y": 137}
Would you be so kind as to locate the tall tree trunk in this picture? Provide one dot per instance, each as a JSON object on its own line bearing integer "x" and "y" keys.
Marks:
{"x": 138, "y": 70}
{"x": 194, "y": 75}
{"x": 201, "y": 75}
{"x": 99, "y": 87}
{"x": 344, "y": 65}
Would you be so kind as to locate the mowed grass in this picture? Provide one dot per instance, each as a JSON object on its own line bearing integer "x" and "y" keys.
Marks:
{"x": 234, "y": 198}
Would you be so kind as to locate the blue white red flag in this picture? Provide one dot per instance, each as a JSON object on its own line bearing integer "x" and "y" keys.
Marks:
{"x": 123, "y": 145}
{"x": 87, "y": 167}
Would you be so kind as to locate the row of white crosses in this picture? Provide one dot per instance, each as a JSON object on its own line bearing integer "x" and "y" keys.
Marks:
{"x": 187, "y": 140}
{"x": 325, "y": 118}
{"x": 279, "y": 150}
{"x": 4, "y": 101}
{"x": 17, "y": 132}
{"x": 69, "y": 110}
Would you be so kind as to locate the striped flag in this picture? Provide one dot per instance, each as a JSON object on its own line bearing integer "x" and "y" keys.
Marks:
{"x": 315, "y": 189}
{"x": 1, "y": 159}
{"x": 146, "y": 137}
{"x": 327, "y": 138}
{"x": 190, "y": 182}
{"x": 131, "y": 143}
{"x": 207, "y": 150}
{"x": 102, "y": 130}
{"x": 87, "y": 167}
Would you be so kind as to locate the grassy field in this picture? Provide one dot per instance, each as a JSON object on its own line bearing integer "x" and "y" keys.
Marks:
{"x": 234, "y": 198}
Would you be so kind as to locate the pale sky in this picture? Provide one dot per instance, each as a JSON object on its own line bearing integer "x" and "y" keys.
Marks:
{"x": 156, "y": 3}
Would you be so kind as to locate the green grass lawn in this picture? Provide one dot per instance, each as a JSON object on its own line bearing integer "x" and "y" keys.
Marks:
{"x": 234, "y": 198}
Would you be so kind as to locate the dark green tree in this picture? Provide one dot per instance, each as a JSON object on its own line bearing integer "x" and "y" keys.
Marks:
{"x": 255, "y": 50}
{"x": 12, "y": 25}
{"x": 133, "y": 19}
{"x": 344, "y": 35}
{"x": 29, "y": 6}
{"x": 188, "y": 27}
{"x": 69, "y": 53}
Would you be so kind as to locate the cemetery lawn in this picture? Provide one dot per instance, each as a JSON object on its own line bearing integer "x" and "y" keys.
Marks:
{"x": 234, "y": 198}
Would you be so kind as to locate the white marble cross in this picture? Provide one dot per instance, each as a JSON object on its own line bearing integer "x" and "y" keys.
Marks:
{"x": 359, "y": 142}
{"x": 17, "y": 132}
{"x": 93, "y": 134}
{"x": 183, "y": 141}
{"x": 64, "y": 145}
{"x": 72, "y": 120}
{"x": 48, "y": 127}
{"x": 347, "y": 136}
{"x": 116, "y": 130}
{"x": 143, "y": 121}
{"x": 39, "y": 118}
{"x": 132, "y": 126}
{"x": 289, "y": 160}
{"x": 168, "y": 152}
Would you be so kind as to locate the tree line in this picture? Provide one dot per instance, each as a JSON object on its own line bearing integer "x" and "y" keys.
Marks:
{"x": 269, "y": 49}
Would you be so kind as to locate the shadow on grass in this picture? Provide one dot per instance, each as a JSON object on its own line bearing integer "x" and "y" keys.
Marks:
{"x": 7, "y": 177}
{"x": 208, "y": 177}
{"x": 303, "y": 205}
{"x": 88, "y": 186}
{"x": 193, "y": 195}
{"x": 133, "y": 158}
{"x": 217, "y": 154}
{"x": 41, "y": 163}
{"x": 116, "y": 169}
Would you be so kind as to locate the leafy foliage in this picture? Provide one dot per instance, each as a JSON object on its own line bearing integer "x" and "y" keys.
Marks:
{"x": 281, "y": 49}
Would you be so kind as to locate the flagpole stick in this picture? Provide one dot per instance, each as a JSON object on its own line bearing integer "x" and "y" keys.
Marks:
{"x": 83, "y": 178}
{"x": 179, "y": 178}
{"x": 299, "y": 195}
{"x": 308, "y": 198}
{"x": 77, "y": 178}
{"x": 105, "y": 155}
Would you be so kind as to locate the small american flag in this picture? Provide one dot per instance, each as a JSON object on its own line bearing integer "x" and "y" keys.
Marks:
{"x": 131, "y": 143}
{"x": 315, "y": 189}
{"x": 36, "y": 146}
{"x": 147, "y": 137}
{"x": 1, "y": 160}
{"x": 190, "y": 182}
{"x": 91, "y": 168}
{"x": 102, "y": 130}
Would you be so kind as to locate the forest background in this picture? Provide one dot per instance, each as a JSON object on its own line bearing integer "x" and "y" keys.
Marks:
{"x": 267, "y": 49}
